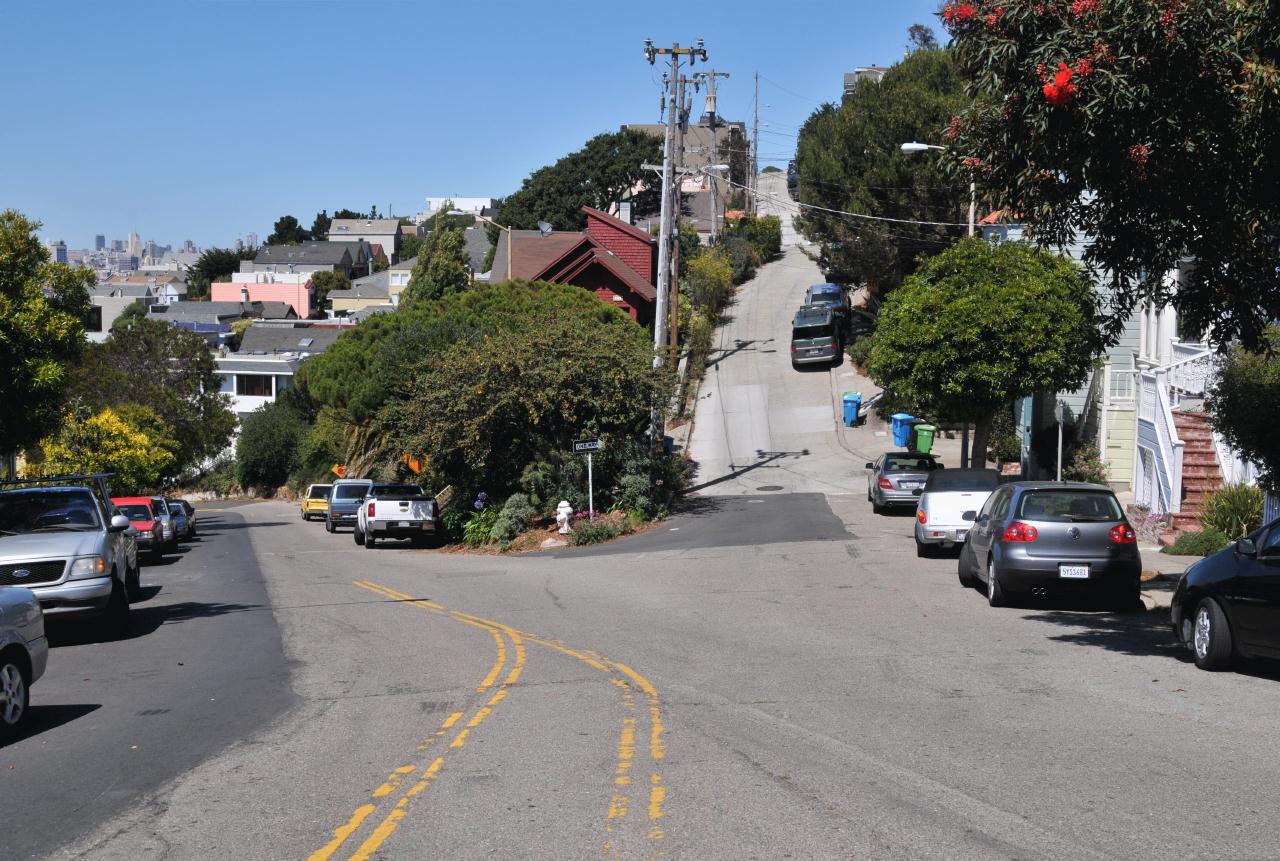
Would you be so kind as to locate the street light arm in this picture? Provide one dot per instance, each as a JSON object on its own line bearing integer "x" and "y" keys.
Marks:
{"x": 916, "y": 146}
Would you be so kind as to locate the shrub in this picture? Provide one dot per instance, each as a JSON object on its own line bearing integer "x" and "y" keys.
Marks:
{"x": 1085, "y": 464}
{"x": 1005, "y": 443}
{"x": 742, "y": 258}
{"x": 858, "y": 351}
{"x": 603, "y": 528}
{"x": 515, "y": 517}
{"x": 1235, "y": 510}
{"x": 1198, "y": 543}
{"x": 477, "y": 531}
{"x": 635, "y": 496}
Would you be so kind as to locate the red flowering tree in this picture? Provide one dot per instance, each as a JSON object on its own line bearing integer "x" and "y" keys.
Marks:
{"x": 1150, "y": 129}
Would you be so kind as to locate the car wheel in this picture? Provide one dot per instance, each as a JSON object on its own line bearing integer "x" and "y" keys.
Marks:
{"x": 133, "y": 584}
{"x": 995, "y": 592}
{"x": 369, "y": 541}
{"x": 963, "y": 572}
{"x": 328, "y": 525}
{"x": 14, "y": 695}
{"x": 115, "y": 623}
{"x": 1211, "y": 636}
{"x": 357, "y": 534}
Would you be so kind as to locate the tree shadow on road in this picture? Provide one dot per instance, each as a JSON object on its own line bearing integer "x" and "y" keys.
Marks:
{"x": 763, "y": 458}
{"x": 142, "y": 621}
{"x": 1145, "y": 633}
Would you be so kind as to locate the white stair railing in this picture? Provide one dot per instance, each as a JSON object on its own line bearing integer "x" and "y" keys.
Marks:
{"x": 1158, "y": 434}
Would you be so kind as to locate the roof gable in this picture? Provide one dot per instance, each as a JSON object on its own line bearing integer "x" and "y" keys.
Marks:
{"x": 606, "y": 220}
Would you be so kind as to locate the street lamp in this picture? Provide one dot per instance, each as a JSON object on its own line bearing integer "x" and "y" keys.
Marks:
{"x": 916, "y": 146}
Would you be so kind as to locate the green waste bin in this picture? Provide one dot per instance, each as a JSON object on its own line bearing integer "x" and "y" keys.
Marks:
{"x": 924, "y": 437}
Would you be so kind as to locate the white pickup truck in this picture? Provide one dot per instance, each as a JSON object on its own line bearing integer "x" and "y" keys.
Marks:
{"x": 395, "y": 511}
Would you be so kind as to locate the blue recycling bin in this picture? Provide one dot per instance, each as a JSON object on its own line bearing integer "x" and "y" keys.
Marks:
{"x": 900, "y": 424}
{"x": 852, "y": 404}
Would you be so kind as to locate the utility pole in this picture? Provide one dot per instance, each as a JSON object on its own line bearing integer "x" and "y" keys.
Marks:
{"x": 657, "y": 423}
{"x": 712, "y": 112}
{"x": 755, "y": 152}
{"x": 677, "y": 209}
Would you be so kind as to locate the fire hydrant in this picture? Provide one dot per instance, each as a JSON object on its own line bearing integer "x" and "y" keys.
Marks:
{"x": 563, "y": 512}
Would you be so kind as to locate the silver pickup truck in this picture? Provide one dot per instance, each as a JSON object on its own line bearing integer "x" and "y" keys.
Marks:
{"x": 64, "y": 540}
{"x": 395, "y": 511}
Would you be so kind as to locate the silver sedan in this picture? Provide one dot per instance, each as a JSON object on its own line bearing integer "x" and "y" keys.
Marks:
{"x": 24, "y": 650}
{"x": 896, "y": 479}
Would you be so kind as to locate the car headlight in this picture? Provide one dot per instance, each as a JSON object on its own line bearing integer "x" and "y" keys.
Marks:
{"x": 88, "y": 566}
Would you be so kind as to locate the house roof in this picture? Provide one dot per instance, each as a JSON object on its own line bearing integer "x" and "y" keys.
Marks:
{"x": 312, "y": 253}
{"x": 275, "y": 310}
{"x": 360, "y": 249}
{"x": 532, "y": 252}
{"x": 477, "y": 246}
{"x": 108, "y": 290}
{"x": 209, "y": 310}
{"x": 340, "y": 227}
{"x": 375, "y": 286}
{"x": 287, "y": 339}
{"x": 631, "y": 277}
{"x": 620, "y": 225}
{"x": 405, "y": 264}
{"x": 234, "y": 364}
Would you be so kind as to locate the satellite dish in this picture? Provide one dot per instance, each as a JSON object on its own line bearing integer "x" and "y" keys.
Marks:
{"x": 544, "y": 228}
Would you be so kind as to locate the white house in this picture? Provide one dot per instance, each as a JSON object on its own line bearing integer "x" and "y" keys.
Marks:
{"x": 384, "y": 232}
{"x": 268, "y": 359}
{"x": 469, "y": 205}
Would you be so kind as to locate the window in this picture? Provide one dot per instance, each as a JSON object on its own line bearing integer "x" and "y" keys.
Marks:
{"x": 253, "y": 385}
{"x": 1270, "y": 545}
{"x": 1070, "y": 506}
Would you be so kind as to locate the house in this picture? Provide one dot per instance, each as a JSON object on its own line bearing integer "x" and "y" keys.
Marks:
{"x": 310, "y": 256}
{"x": 614, "y": 260}
{"x": 164, "y": 287}
{"x": 214, "y": 319}
{"x": 108, "y": 302}
{"x": 863, "y": 73}
{"x": 293, "y": 288}
{"x": 268, "y": 359}
{"x": 375, "y": 231}
{"x": 469, "y": 205}
{"x": 398, "y": 278}
{"x": 364, "y": 292}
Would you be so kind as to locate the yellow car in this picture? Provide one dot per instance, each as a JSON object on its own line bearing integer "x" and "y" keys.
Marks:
{"x": 316, "y": 502}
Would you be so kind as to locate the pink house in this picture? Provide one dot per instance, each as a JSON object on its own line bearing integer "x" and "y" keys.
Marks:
{"x": 290, "y": 287}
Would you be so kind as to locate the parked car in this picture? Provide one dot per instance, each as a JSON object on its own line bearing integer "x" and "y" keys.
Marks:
{"x": 24, "y": 651}
{"x": 1228, "y": 604}
{"x": 897, "y": 478}
{"x": 315, "y": 503}
{"x": 142, "y": 517}
{"x": 831, "y": 296}
{"x": 178, "y": 516}
{"x": 395, "y": 511}
{"x": 344, "y": 502}
{"x": 1045, "y": 538}
{"x": 948, "y": 494}
{"x": 188, "y": 511}
{"x": 166, "y": 521}
{"x": 815, "y": 337}
{"x": 68, "y": 545}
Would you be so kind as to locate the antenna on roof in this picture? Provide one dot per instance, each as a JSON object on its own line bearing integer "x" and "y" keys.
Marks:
{"x": 544, "y": 228}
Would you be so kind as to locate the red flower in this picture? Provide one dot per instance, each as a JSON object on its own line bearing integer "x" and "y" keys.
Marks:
{"x": 953, "y": 128}
{"x": 1061, "y": 91}
{"x": 1084, "y": 67}
{"x": 1138, "y": 154}
{"x": 955, "y": 14}
{"x": 1080, "y": 8}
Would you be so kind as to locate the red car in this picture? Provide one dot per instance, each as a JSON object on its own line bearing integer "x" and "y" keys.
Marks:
{"x": 142, "y": 517}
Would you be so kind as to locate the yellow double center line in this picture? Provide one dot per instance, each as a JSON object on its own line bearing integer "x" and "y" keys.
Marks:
{"x": 627, "y": 679}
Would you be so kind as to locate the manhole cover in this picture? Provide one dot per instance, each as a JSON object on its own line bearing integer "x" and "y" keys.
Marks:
{"x": 770, "y": 487}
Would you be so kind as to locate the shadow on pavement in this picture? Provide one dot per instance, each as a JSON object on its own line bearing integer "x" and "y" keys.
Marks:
{"x": 44, "y": 718}
{"x": 763, "y": 458}
{"x": 142, "y": 621}
{"x": 739, "y": 345}
{"x": 1136, "y": 633}
{"x": 244, "y": 524}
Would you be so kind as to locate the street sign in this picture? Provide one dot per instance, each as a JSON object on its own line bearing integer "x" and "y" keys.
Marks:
{"x": 586, "y": 445}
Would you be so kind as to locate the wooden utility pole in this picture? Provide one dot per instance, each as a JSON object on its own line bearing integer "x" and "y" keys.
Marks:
{"x": 755, "y": 152}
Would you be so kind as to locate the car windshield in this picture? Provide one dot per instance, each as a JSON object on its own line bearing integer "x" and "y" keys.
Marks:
{"x": 350, "y": 491}
{"x": 1069, "y": 506}
{"x": 162, "y": 510}
{"x": 976, "y": 480}
{"x": 47, "y": 511}
{"x": 909, "y": 463}
{"x": 320, "y": 491}
{"x": 136, "y": 513}
{"x": 174, "y": 508}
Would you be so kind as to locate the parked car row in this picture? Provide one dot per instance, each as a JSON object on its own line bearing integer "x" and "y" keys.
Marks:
{"x": 375, "y": 511}
{"x": 68, "y": 550}
{"x": 818, "y": 328}
{"x": 1043, "y": 539}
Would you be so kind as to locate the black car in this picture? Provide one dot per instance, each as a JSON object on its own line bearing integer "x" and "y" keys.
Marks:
{"x": 1228, "y": 604}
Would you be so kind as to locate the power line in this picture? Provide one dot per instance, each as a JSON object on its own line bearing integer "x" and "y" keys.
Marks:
{"x": 884, "y": 218}
{"x": 794, "y": 93}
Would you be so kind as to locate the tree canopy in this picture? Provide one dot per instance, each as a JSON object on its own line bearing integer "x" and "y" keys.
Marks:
{"x": 442, "y": 267}
{"x": 215, "y": 264}
{"x": 288, "y": 231}
{"x": 42, "y": 311}
{"x": 268, "y": 445}
{"x": 1146, "y": 130}
{"x": 1244, "y": 404}
{"x": 849, "y": 158}
{"x": 326, "y": 282}
{"x": 598, "y": 175}
{"x": 131, "y": 442}
{"x": 978, "y": 326}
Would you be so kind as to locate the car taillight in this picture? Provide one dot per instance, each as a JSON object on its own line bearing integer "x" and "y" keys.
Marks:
{"x": 921, "y": 516}
{"x": 1123, "y": 534}
{"x": 885, "y": 484}
{"x": 793, "y": 348}
{"x": 1018, "y": 532}
{"x": 369, "y": 510}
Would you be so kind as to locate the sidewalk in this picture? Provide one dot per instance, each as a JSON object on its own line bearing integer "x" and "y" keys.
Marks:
{"x": 1164, "y": 571}
{"x": 872, "y": 438}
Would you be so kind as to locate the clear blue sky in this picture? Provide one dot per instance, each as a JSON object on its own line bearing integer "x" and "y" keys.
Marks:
{"x": 206, "y": 120}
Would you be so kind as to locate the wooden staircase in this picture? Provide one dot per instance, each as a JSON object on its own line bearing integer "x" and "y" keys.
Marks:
{"x": 1201, "y": 473}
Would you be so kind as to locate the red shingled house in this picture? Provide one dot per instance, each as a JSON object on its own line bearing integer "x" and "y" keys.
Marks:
{"x": 617, "y": 262}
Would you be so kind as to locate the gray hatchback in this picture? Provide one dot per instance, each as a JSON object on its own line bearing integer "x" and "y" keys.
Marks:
{"x": 1044, "y": 538}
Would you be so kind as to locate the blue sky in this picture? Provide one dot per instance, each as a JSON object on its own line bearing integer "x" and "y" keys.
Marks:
{"x": 206, "y": 120}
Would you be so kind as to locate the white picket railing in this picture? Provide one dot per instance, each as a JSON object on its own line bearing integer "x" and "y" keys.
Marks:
{"x": 1189, "y": 375}
{"x": 1162, "y": 441}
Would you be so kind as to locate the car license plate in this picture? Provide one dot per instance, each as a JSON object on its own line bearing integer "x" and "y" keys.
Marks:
{"x": 1074, "y": 572}
{"x": 815, "y": 352}
{"x": 404, "y": 524}
{"x": 912, "y": 485}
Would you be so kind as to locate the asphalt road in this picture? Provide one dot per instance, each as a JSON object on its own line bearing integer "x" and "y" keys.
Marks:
{"x": 772, "y": 674}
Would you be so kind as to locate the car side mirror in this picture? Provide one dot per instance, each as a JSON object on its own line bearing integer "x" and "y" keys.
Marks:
{"x": 119, "y": 523}
{"x": 969, "y": 516}
{"x": 870, "y": 465}
{"x": 1246, "y": 547}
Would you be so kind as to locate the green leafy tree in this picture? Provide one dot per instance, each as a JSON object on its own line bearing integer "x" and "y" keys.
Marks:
{"x": 42, "y": 310}
{"x": 288, "y": 231}
{"x": 411, "y": 246}
{"x": 1244, "y": 404}
{"x": 325, "y": 282}
{"x": 921, "y": 38}
{"x": 710, "y": 279}
{"x": 978, "y": 326}
{"x": 441, "y": 269}
{"x": 1147, "y": 130}
{"x": 849, "y": 158}
{"x": 267, "y": 450}
{"x": 133, "y": 443}
{"x": 739, "y": 161}
{"x": 170, "y": 372}
{"x": 320, "y": 226}
{"x": 603, "y": 172}
{"x": 130, "y": 315}
{"x": 214, "y": 265}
